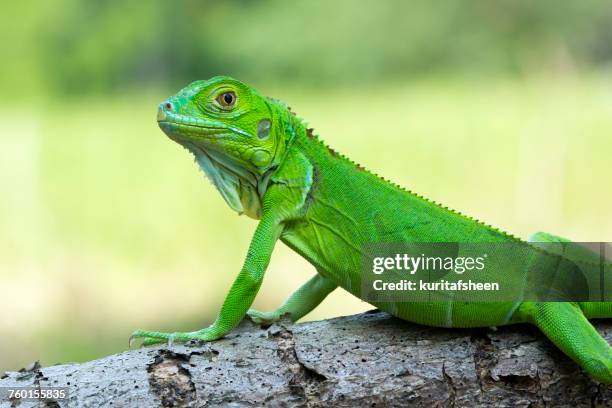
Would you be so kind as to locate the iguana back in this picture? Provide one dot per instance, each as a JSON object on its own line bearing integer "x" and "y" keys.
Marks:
{"x": 349, "y": 207}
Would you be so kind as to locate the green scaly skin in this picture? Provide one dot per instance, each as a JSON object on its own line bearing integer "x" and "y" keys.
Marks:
{"x": 268, "y": 165}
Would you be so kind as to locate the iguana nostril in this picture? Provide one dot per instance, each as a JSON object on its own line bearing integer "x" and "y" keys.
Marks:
{"x": 162, "y": 111}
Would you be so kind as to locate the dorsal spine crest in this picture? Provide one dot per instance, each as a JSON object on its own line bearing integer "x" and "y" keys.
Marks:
{"x": 312, "y": 136}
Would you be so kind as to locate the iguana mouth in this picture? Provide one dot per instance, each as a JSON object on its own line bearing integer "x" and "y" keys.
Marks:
{"x": 188, "y": 125}
{"x": 175, "y": 130}
{"x": 185, "y": 130}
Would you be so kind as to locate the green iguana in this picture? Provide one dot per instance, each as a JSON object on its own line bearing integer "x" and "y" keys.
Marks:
{"x": 268, "y": 165}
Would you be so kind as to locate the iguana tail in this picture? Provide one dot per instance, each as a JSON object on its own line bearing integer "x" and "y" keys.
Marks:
{"x": 596, "y": 310}
{"x": 566, "y": 325}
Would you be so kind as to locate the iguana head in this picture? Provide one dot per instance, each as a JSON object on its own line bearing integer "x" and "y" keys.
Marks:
{"x": 235, "y": 134}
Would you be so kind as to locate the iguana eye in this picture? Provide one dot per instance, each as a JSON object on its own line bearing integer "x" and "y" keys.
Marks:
{"x": 227, "y": 100}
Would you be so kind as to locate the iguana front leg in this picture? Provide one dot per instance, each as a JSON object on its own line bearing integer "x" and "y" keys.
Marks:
{"x": 300, "y": 303}
{"x": 241, "y": 294}
{"x": 282, "y": 201}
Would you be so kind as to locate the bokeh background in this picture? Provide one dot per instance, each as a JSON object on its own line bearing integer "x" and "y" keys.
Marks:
{"x": 502, "y": 110}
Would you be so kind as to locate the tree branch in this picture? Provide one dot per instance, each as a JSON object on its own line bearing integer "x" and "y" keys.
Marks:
{"x": 369, "y": 359}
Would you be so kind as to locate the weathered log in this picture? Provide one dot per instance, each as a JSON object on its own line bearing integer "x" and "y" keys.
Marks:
{"x": 370, "y": 360}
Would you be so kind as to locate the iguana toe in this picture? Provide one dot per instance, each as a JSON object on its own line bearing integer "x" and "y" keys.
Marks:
{"x": 263, "y": 318}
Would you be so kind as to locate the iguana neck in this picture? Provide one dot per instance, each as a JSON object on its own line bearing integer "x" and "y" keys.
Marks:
{"x": 237, "y": 185}
{"x": 241, "y": 188}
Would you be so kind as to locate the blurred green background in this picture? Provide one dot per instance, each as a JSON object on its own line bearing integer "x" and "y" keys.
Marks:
{"x": 502, "y": 110}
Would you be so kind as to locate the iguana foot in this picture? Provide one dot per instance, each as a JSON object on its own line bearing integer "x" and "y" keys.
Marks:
{"x": 263, "y": 318}
{"x": 152, "y": 337}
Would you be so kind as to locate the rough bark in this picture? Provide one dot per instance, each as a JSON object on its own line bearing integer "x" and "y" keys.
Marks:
{"x": 369, "y": 360}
